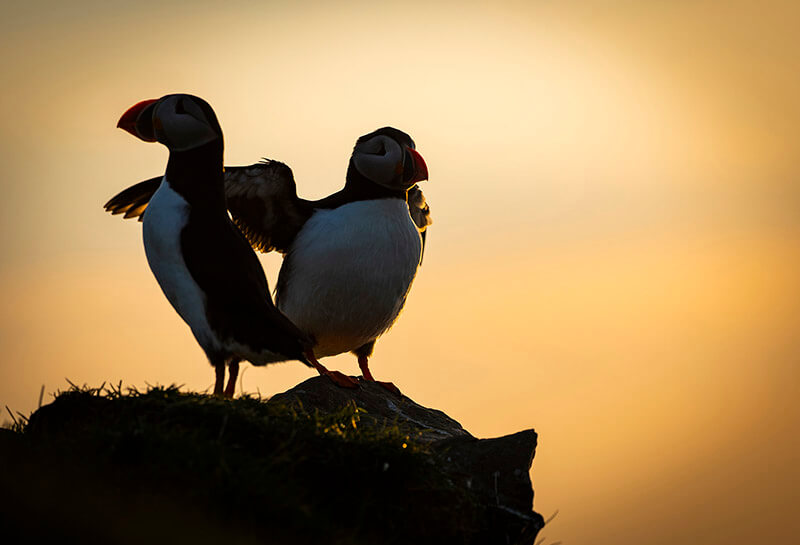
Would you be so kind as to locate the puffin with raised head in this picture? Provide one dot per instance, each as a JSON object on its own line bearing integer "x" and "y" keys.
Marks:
{"x": 349, "y": 258}
{"x": 206, "y": 268}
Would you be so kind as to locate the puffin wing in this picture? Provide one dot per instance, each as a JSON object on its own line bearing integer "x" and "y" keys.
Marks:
{"x": 420, "y": 214}
{"x": 133, "y": 201}
{"x": 262, "y": 199}
{"x": 263, "y": 202}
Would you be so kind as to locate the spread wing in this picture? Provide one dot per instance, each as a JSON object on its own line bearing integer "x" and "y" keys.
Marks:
{"x": 420, "y": 213}
{"x": 133, "y": 201}
{"x": 262, "y": 199}
{"x": 263, "y": 203}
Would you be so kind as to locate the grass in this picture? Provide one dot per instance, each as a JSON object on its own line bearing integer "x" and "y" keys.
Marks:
{"x": 103, "y": 465}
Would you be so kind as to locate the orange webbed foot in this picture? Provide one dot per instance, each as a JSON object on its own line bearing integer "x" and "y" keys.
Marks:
{"x": 342, "y": 380}
{"x": 387, "y": 386}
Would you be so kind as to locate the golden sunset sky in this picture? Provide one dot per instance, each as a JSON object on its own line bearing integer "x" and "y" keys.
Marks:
{"x": 615, "y": 253}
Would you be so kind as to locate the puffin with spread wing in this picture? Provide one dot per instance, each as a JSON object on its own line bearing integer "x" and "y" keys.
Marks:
{"x": 349, "y": 259}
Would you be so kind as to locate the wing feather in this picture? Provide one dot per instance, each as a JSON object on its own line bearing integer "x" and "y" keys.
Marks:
{"x": 419, "y": 209}
{"x": 263, "y": 202}
{"x": 133, "y": 201}
{"x": 420, "y": 213}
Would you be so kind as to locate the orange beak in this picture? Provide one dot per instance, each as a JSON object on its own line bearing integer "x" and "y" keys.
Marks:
{"x": 420, "y": 168}
{"x": 137, "y": 120}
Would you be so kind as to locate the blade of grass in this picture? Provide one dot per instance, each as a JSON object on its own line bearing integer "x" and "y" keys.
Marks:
{"x": 14, "y": 418}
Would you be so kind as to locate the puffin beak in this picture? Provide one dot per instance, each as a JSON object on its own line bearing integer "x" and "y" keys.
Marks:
{"x": 138, "y": 120}
{"x": 420, "y": 168}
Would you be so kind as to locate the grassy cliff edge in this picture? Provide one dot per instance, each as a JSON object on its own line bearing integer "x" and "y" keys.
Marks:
{"x": 165, "y": 466}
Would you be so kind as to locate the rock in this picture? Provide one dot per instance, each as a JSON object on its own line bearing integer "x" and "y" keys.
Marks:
{"x": 495, "y": 471}
{"x": 381, "y": 406}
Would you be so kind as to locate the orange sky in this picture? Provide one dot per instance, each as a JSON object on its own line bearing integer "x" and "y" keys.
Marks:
{"x": 615, "y": 252}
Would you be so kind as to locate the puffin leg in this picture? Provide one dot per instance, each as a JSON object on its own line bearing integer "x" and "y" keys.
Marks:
{"x": 219, "y": 369}
{"x": 340, "y": 379}
{"x": 233, "y": 368}
{"x": 363, "y": 363}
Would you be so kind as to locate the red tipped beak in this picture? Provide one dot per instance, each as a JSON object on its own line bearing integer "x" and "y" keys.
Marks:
{"x": 131, "y": 118}
{"x": 420, "y": 168}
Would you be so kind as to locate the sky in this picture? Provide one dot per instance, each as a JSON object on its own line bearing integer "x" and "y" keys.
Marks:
{"x": 615, "y": 248}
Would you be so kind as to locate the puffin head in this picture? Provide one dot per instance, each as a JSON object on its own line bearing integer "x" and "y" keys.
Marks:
{"x": 388, "y": 157}
{"x": 180, "y": 122}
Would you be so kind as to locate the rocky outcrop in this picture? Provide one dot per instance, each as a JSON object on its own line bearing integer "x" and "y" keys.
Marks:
{"x": 493, "y": 471}
{"x": 316, "y": 464}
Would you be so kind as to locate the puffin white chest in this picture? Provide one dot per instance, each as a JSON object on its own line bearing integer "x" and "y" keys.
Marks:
{"x": 348, "y": 272}
{"x": 164, "y": 219}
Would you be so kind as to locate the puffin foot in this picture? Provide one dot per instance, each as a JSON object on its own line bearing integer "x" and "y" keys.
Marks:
{"x": 387, "y": 385}
{"x": 342, "y": 380}
{"x": 339, "y": 379}
{"x": 363, "y": 363}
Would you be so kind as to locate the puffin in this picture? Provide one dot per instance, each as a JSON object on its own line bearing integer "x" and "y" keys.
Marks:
{"x": 205, "y": 267}
{"x": 350, "y": 258}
